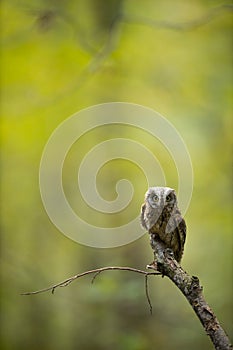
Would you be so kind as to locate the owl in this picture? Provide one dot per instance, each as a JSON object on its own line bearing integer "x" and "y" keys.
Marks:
{"x": 161, "y": 217}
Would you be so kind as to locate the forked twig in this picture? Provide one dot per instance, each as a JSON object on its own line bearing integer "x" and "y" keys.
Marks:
{"x": 96, "y": 272}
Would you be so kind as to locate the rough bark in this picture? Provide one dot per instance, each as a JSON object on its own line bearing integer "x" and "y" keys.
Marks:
{"x": 192, "y": 290}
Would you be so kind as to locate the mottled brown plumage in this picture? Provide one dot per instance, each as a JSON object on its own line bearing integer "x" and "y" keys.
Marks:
{"x": 161, "y": 217}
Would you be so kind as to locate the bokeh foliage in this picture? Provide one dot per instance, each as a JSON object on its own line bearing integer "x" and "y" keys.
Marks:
{"x": 59, "y": 57}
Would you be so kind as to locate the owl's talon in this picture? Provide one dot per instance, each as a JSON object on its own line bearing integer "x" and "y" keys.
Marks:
{"x": 152, "y": 266}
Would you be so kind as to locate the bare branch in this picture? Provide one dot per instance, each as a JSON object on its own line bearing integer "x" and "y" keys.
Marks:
{"x": 192, "y": 290}
{"x": 166, "y": 265}
{"x": 96, "y": 272}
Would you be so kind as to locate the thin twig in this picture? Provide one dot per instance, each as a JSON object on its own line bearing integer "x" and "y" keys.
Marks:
{"x": 69, "y": 280}
{"x": 94, "y": 277}
{"x": 147, "y": 294}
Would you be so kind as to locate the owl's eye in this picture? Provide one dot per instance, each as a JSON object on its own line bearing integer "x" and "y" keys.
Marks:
{"x": 168, "y": 198}
{"x": 155, "y": 198}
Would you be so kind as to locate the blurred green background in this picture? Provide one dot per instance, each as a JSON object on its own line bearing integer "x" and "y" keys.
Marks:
{"x": 59, "y": 57}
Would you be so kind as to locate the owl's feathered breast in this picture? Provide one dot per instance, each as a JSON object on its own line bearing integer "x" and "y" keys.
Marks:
{"x": 154, "y": 220}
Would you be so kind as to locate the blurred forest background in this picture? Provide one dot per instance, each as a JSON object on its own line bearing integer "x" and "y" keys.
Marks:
{"x": 58, "y": 57}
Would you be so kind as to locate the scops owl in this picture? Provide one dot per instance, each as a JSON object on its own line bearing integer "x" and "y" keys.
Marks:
{"x": 161, "y": 217}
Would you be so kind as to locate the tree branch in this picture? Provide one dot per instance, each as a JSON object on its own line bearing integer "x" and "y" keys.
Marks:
{"x": 192, "y": 290}
{"x": 96, "y": 272}
{"x": 166, "y": 265}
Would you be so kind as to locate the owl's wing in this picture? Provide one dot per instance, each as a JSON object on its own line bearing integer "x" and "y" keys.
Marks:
{"x": 182, "y": 230}
{"x": 177, "y": 228}
{"x": 142, "y": 217}
{"x": 181, "y": 236}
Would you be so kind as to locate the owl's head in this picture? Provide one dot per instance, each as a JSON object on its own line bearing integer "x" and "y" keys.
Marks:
{"x": 161, "y": 197}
